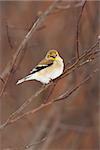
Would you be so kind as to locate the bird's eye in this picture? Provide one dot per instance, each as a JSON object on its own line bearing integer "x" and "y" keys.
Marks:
{"x": 48, "y": 55}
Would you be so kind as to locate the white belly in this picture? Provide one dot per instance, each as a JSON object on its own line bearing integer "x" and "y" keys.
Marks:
{"x": 50, "y": 73}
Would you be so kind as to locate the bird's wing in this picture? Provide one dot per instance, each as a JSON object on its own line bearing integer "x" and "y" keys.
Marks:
{"x": 42, "y": 65}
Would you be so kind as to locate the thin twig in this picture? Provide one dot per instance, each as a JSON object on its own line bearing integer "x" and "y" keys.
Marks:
{"x": 9, "y": 39}
{"x": 59, "y": 98}
{"x": 50, "y": 93}
{"x": 14, "y": 63}
{"x": 2, "y": 80}
{"x": 67, "y": 6}
{"x": 24, "y": 105}
{"x": 38, "y": 142}
{"x": 68, "y": 93}
{"x": 68, "y": 70}
{"x": 77, "y": 30}
{"x": 85, "y": 55}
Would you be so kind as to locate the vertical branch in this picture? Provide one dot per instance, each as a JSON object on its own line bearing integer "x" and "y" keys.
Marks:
{"x": 99, "y": 41}
{"x": 9, "y": 39}
{"x": 77, "y": 31}
{"x": 53, "y": 128}
{"x": 50, "y": 92}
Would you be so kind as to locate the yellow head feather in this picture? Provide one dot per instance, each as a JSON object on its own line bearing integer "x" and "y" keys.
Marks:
{"x": 52, "y": 54}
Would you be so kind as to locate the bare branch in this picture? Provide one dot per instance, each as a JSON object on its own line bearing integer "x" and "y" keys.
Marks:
{"x": 68, "y": 93}
{"x": 44, "y": 135}
{"x": 12, "y": 66}
{"x": 61, "y": 97}
{"x": 83, "y": 59}
{"x": 77, "y": 30}
{"x": 2, "y": 80}
{"x": 31, "y": 145}
{"x": 67, "y": 6}
{"x": 9, "y": 39}
{"x": 85, "y": 55}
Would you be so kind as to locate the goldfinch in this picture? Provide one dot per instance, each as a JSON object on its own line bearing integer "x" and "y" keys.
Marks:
{"x": 48, "y": 69}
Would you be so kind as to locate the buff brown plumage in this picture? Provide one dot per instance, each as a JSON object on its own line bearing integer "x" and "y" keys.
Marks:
{"x": 48, "y": 69}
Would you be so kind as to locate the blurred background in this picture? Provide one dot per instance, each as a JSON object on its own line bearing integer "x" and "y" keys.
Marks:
{"x": 72, "y": 124}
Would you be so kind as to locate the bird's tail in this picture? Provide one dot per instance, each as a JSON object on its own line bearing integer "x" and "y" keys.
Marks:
{"x": 29, "y": 77}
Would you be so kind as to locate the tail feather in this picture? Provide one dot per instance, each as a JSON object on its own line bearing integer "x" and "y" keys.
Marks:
{"x": 20, "y": 81}
{"x": 29, "y": 77}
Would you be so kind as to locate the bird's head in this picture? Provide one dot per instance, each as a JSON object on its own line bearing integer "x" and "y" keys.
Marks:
{"x": 52, "y": 54}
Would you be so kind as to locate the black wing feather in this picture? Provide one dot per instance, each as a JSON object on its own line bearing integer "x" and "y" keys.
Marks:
{"x": 38, "y": 68}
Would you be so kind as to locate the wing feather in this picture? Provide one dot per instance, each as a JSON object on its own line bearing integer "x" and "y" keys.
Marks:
{"x": 42, "y": 65}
